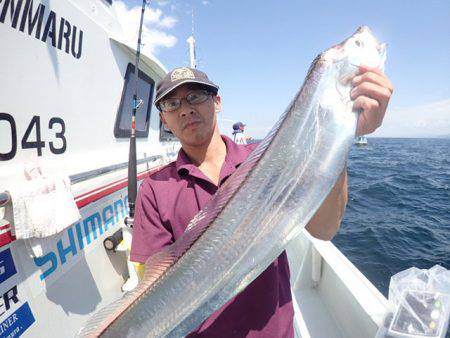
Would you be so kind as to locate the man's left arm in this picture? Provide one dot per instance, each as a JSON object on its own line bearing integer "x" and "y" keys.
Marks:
{"x": 325, "y": 223}
{"x": 371, "y": 94}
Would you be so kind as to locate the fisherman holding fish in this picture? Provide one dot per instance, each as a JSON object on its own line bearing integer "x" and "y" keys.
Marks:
{"x": 168, "y": 199}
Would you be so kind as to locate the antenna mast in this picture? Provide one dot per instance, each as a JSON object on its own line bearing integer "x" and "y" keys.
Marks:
{"x": 191, "y": 42}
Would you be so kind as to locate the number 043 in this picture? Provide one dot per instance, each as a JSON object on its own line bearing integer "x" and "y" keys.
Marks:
{"x": 32, "y": 137}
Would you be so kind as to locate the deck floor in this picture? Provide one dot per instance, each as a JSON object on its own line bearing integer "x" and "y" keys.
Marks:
{"x": 313, "y": 318}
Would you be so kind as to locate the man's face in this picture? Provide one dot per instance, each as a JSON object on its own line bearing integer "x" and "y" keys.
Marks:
{"x": 194, "y": 125}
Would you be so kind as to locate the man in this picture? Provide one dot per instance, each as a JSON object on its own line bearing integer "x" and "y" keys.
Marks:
{"x": 238, "y": 133}
{"x": 170, "y": 198}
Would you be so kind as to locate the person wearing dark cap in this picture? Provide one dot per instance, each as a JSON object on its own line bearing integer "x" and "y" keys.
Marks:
{"x": 168, "y": 200}
{"x": 238, "y": 133}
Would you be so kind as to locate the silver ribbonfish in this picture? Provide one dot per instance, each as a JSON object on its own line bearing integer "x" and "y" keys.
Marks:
{"x": 252, "y": 217}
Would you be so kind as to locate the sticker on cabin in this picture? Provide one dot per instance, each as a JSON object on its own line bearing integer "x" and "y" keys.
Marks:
{"x": 7, "y": 267}
{"x": 6, "y": 236}
{"x": 17, "y": 323}
{"x": 80, "y": 238}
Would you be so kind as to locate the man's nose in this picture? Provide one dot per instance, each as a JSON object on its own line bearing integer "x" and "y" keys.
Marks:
{"x": 186, "y": 108}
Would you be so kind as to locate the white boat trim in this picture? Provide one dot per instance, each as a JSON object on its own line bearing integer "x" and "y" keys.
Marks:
{"x": 341, "y": 299}
{"x": 149, "y": 60}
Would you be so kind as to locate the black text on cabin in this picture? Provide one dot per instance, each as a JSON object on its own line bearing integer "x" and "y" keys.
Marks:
{"x": 32, "y": 18}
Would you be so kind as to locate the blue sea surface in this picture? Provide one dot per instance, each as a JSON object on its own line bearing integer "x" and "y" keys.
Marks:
{"x": 398, "y": 214}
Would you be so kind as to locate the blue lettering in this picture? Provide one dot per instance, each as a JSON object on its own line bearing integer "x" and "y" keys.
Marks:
{"x": 7, "y": 267}
{"x": 16, "y": 324}
{"x": 50, "y": 257}
{"x": 70, "y": 249}
{"x": 125, "y": 201}
{"x": 108, "y": 219}
{"x": 79, "y": 236}
{"x": 110, "y": 216}
{"x": 116, "y": 209}
{"x": 93, "y": 219}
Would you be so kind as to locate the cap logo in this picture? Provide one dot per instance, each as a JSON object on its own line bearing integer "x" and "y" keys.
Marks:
{"x": 181, "y": 74}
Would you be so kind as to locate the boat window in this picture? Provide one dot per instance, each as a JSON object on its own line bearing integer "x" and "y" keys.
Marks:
{"x": 145, "y": 93}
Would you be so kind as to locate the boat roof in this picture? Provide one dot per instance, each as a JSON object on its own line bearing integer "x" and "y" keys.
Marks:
{"x": 148, "y": 59}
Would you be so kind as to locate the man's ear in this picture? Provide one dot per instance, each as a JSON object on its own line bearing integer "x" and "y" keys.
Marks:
{"x": 217, "y": 104}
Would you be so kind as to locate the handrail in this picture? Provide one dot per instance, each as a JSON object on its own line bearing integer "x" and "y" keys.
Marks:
{"x": 84, "y": 176}
{"x": 4, "y": 198}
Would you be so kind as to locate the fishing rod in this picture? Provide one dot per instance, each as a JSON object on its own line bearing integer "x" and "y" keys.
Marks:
{"x": 132, "y": 165}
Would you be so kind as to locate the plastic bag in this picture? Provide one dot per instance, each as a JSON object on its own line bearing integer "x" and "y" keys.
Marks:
{"x": 419, "y": 304}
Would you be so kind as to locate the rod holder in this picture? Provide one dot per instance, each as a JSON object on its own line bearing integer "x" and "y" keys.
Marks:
{"x": 110, "y": 243}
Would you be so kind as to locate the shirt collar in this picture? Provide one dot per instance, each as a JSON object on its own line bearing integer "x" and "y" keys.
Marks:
{"x": 236, "y": 154}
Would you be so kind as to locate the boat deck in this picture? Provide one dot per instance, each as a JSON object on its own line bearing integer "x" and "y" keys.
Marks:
{"x": 332, "y": 298}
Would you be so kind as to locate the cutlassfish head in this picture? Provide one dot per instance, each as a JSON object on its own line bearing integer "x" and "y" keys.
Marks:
{"x": 342, "y": 63}
{"x": 363, "y": 48}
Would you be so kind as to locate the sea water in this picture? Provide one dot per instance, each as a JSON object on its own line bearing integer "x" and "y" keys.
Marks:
{"x": 398, "y": 213}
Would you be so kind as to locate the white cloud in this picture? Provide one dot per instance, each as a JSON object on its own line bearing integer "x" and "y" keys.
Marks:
{"x": 154, "y": 35}
{"x": 428, "y": 120}
{"x": 163, "y": 3}
{"x": 205, "y": 2}
{"x": 168, "y": 22}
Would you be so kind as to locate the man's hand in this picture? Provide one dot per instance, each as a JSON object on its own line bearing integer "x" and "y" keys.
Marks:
{"x": 372, "y": 92}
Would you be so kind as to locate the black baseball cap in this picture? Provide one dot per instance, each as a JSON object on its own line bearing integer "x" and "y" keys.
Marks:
{"x": 238, "y": 125}
{"x": 180, "y": 76}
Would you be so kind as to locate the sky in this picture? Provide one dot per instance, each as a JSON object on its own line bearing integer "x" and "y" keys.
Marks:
{"x": 259, "y": 53}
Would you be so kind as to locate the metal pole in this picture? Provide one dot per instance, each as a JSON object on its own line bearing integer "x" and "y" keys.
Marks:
{"x": 132, "y": 166}
{"x": 191, "y": 42}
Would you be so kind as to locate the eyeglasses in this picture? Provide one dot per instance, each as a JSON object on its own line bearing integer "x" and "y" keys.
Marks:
{"x": 195, "y": 97}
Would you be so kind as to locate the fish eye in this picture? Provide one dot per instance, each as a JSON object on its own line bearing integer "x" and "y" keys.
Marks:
{"x": 358, "y": 43}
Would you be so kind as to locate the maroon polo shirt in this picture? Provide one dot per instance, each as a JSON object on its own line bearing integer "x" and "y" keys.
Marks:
{"x": 167, "y": 201}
